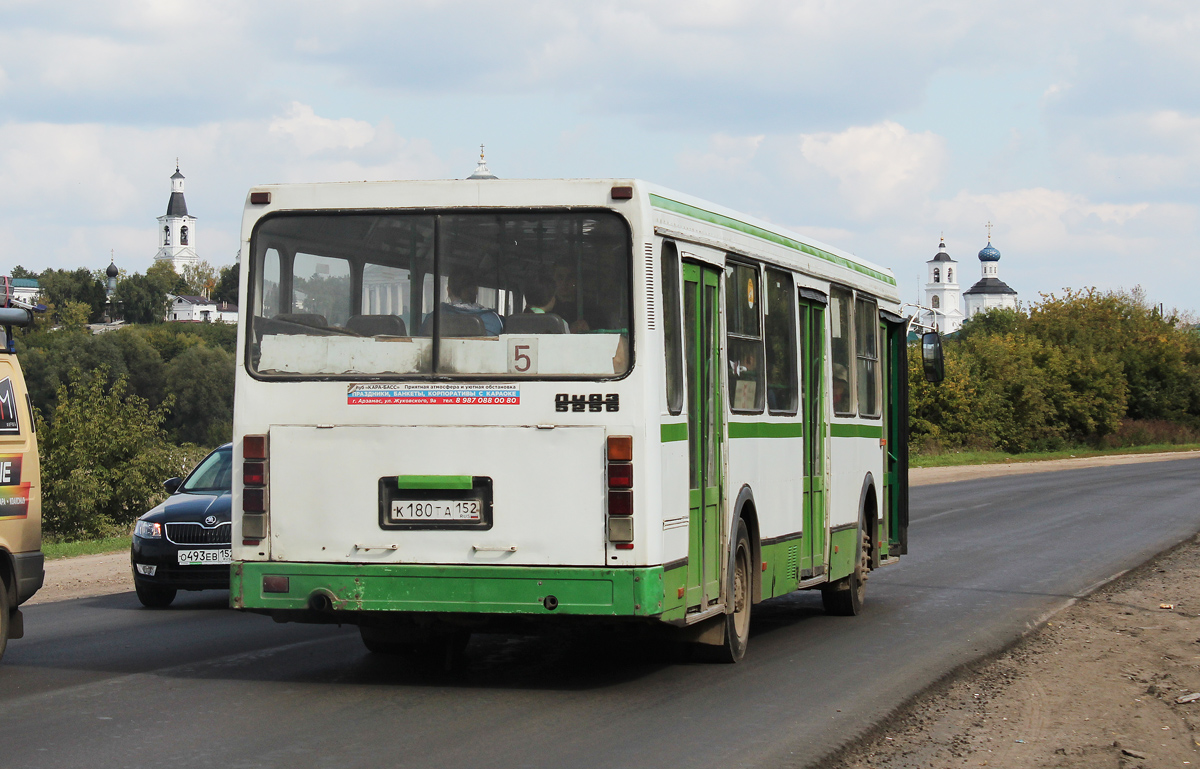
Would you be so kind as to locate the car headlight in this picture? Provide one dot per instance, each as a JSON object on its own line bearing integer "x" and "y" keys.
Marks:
{"x": 148, "y": 530}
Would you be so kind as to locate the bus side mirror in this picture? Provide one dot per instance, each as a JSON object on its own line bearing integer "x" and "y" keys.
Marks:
{"x": 931, "y": 357}
{"x": 172, "y": 485}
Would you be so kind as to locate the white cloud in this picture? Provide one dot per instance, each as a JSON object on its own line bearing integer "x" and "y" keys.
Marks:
{"x": 313, "y": 133}
{"x": 878, "y": 168}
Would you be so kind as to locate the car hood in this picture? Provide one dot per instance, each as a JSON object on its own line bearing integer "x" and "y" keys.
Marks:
{"x": 191, "y": 507}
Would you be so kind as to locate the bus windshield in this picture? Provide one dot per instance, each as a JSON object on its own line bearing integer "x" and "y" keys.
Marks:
{"x": 497, "y": 294}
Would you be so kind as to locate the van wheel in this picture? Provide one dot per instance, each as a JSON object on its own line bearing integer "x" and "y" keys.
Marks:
{"x": 737, "y": 623}
{"x": 845, "y": 597}
{"x": 5, "y": 617}
{"x": 153, "y": 596}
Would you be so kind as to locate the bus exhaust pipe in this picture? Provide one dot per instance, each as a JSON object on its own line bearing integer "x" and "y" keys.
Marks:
{"x": 320, "y": 601}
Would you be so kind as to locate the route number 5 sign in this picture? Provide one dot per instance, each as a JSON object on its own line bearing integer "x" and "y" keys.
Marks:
{"x": 522, "y": 355}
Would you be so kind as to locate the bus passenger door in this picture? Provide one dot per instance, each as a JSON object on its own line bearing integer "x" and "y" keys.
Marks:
{"x": 812, "y": 384}
{"x": 896, "y": 432}
{"x": 701, "y": 303}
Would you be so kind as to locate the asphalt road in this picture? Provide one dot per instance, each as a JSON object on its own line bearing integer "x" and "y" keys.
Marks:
{"x": 102, "y": 682}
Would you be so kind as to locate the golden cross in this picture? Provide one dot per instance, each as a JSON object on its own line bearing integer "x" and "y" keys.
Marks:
{"x": 480, "y": 153}
{"x": 989, "y": 229}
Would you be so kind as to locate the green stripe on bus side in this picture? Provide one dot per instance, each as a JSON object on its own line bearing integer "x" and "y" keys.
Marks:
{"x": 434, "y": 481}
{"x": 856, "y": 431}
{"x": 766, "y": 429}
{"x": 674, "y": 432}
{"x": 713, "y": 218}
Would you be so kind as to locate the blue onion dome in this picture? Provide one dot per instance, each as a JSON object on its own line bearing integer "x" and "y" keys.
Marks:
{"x": 989, "y": 253}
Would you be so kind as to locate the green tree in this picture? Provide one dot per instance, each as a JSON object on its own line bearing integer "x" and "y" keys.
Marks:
{"x": 227, "y": 285}
{"x": 74, "y": 315}
{"x": 59, "y": 287}
{"x": 200, "y": 279}
{"x": 103, "y": 458}
{"x": 20, "y": 272}
{"x": 142, "y": 298}
{"x": 200, "y": 383}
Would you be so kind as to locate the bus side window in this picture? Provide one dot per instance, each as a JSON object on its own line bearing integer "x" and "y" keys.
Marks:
{"x": 743, "y": 333}
{"x": 840, "y": 336}
{"x": 866, "y": 328}
{"x": 669, "y": 264}
{"x": 270, "y": 285}
{"x": 780, "y": 327}
{"x": 321, "y": 286}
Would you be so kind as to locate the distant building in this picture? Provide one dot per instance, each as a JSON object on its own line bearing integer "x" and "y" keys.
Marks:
{"x": 942, "y": 293}
{"x": 177, "y": 229}
{"x": 990, "y": 291}
{"x": 944, "y": 308}
{"x": 197, "y": 309}
{"x": 26, "y": 289}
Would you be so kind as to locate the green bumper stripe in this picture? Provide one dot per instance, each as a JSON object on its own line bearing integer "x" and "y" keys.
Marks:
{"x": 766, "y": 429}
{"x": 675, "y": 432}
{"x": 749, "y": 229}
{"x": 856, "y": 431}
{"x": 434, "y": 481}
{"x": 478, "y": 589}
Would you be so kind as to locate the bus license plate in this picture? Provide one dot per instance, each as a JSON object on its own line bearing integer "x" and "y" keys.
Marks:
{"x": 436, "y": 510}
{"x": 198, "y": 557}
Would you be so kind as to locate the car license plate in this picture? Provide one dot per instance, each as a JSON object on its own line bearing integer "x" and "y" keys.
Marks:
{"x": 198, "y": 557}
{"x": 436, "y": 510}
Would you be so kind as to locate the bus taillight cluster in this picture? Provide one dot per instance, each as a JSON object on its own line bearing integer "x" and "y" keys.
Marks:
{"x": 254, "y": 489}
{"x": 620, "y": 491}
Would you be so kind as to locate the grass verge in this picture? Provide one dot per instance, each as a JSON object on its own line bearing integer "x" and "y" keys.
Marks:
{"x": 54, "y": 550}
{"x": 1000, "y": 457}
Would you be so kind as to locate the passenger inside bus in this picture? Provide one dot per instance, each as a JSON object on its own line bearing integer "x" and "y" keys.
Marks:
{"x": 462, "y": 290}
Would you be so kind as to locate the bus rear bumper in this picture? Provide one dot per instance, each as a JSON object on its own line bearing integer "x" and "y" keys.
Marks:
{"x": 521, "y": 590}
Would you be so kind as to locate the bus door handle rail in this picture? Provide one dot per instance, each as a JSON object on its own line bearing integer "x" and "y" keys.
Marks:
{"x": 376, "y": 547}
{"x": 494, "y": 548}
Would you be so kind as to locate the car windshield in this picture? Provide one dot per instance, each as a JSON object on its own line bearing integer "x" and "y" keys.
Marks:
{"x": 509, "y": 294}
{"x": 215, "y": 473}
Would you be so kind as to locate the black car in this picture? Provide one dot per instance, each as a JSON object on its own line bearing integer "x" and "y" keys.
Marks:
{"x": 183, "y": 544}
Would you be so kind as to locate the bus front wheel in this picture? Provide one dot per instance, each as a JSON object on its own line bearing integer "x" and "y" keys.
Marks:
{"x": 737, "y": 622}
{"x": 845, "y": 597}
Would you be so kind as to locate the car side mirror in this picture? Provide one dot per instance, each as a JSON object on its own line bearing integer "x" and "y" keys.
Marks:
{"x": 931, "y": 357}
{"x": 172, "y": 485}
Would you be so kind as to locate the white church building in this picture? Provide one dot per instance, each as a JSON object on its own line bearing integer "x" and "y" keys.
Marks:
{"x": 176, "y": 229}
{"x": 947, "y": 306}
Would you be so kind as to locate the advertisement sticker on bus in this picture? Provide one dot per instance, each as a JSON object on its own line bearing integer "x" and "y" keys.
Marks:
{"x": 8, "y": 409}
{"x": 14, "y": 501}
{"x": 390, "y": 394}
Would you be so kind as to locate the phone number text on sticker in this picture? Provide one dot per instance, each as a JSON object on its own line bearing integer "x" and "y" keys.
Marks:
{"x": 433, "y": 394}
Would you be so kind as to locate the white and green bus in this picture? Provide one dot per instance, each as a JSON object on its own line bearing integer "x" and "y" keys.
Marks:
{"x": 477, "y": 404}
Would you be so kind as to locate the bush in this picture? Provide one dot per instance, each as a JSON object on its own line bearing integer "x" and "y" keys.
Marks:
{"x": 104, "y": 457}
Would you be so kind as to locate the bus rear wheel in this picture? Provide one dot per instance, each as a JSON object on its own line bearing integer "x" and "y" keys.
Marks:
{"x": 845, "y": 598}
{"x": 737, "y": 622}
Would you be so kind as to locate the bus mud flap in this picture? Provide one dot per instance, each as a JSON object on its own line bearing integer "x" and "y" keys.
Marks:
{"x": 709, "y": 632}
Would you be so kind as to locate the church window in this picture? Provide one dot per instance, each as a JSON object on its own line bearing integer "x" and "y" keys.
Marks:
{"x": 937, "y": 275}
{"x": 167, "y": 235}
{"x": 949, "y": 273}
{"x": 936, "y": 302}
{"x": 183, "y": 235}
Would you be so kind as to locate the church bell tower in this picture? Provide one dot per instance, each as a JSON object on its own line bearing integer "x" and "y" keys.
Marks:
{"x": 176, "y": 229}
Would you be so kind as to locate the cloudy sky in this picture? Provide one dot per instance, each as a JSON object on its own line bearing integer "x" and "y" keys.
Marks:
{"x": 1072, "y": 125}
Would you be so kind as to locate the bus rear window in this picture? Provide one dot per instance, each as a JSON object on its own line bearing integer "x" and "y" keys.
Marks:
{"x": 497, "y": 294}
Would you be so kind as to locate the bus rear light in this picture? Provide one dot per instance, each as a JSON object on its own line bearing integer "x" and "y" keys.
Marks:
{"x": 620, "y": 503}
{"x": 620, "y": 531}
{"x": 254, "y": 447}
{"x": 254, "y": 500}
{"x": 624, "y": 546}
{"x": 620, "y": 476}
{"x": 254, "y": 474}
{"x": 276, "y": 584}
{"x": 620, "y": 448}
